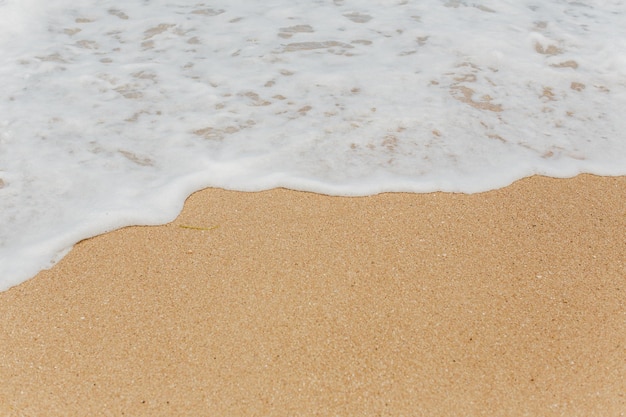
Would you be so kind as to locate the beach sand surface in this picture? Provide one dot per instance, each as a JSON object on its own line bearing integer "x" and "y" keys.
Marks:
{"x": 285, "y": 303}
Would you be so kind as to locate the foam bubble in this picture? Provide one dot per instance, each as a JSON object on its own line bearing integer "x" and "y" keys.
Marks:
{"x": 111, "y": 113}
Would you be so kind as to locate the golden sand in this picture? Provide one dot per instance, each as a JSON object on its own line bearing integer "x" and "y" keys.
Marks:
{"x": 510, "y": 302}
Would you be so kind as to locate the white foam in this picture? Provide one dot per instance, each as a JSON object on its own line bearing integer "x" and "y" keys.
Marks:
{"x": 111, "y": 112}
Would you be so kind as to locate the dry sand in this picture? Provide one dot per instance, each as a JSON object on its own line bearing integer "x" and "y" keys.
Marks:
{"x": 511, "y": 302}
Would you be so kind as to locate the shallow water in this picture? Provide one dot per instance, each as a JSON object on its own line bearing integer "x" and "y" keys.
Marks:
{"x": 112, "y": 112}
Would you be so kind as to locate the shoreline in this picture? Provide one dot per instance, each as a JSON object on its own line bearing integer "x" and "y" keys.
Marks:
{"x": 284, "y": 302}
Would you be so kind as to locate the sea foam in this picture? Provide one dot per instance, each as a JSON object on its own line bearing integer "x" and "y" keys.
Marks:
{"x": 112, "y": 113}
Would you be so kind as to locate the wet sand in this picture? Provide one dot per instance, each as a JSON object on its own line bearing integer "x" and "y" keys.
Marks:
{"x": 511, "y": 302}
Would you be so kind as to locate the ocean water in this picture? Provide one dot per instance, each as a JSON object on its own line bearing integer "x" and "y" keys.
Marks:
{"x": 112, "y": 112}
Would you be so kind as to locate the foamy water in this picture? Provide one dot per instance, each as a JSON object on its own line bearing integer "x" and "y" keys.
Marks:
{"x": 112, "y": 112}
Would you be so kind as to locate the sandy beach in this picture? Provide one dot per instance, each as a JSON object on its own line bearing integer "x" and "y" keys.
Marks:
{"x": 284, "y": 303}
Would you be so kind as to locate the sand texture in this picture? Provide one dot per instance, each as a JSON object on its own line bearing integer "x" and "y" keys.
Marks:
{"x": 283, "y": 303}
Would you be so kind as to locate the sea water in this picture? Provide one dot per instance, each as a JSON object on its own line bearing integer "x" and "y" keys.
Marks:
{"x": 112, "y": 112}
